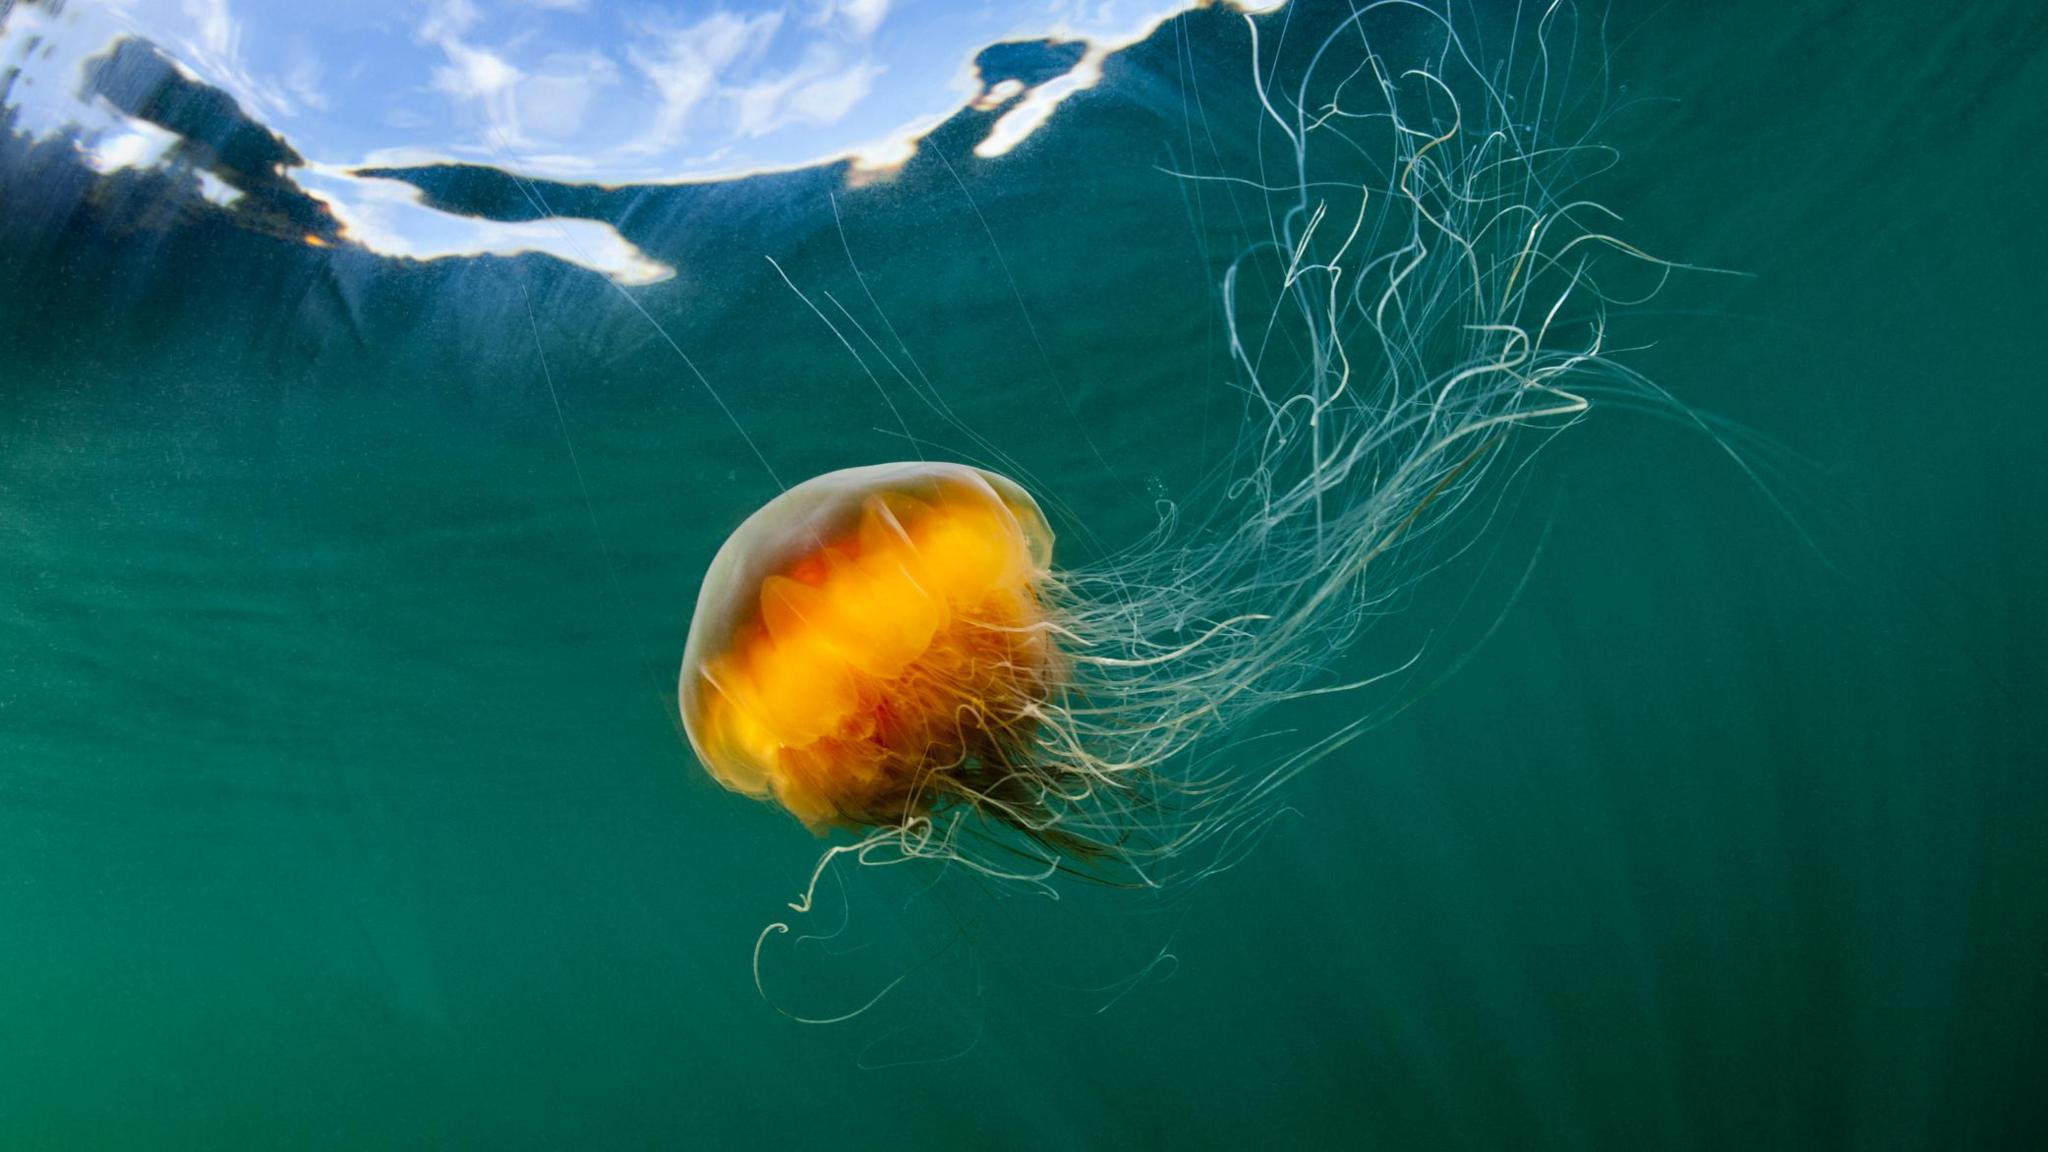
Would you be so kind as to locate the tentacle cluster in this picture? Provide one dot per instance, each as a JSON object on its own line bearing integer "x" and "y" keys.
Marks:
{"x": 1427, "y": 304}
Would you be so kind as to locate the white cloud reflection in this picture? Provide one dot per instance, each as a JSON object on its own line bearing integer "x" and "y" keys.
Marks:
{"x": 861, "y": 17}
{"x": 137, "y": 144}
{"x": 685, "y": 66}
{"x": 387, "y": 216}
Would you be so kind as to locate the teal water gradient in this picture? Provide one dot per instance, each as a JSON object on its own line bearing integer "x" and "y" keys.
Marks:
{"x": 341, "y": 803}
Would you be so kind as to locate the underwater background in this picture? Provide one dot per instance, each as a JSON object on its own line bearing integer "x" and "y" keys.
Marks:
{"x": 343, "y": 804}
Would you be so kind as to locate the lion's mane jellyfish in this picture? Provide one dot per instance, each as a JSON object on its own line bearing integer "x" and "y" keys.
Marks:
{"x": 890, "y": 650}
{"x": 1420, "y": 299}
{"x": 871, "y": 645}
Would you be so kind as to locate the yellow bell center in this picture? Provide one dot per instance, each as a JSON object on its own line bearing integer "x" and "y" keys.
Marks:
{"x": 896, "y": 661}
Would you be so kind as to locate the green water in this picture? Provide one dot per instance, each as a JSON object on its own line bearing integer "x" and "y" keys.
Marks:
{"x": 342, "y": 803}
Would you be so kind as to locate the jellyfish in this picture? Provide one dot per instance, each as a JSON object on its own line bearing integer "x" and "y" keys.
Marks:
{"x": 895, "y": 652}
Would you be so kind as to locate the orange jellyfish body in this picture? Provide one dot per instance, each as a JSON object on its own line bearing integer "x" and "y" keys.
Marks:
{"x": 870, "y": 644}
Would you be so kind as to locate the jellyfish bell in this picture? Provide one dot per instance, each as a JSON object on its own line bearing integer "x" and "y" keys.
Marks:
{"x": 871, "y": 645}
